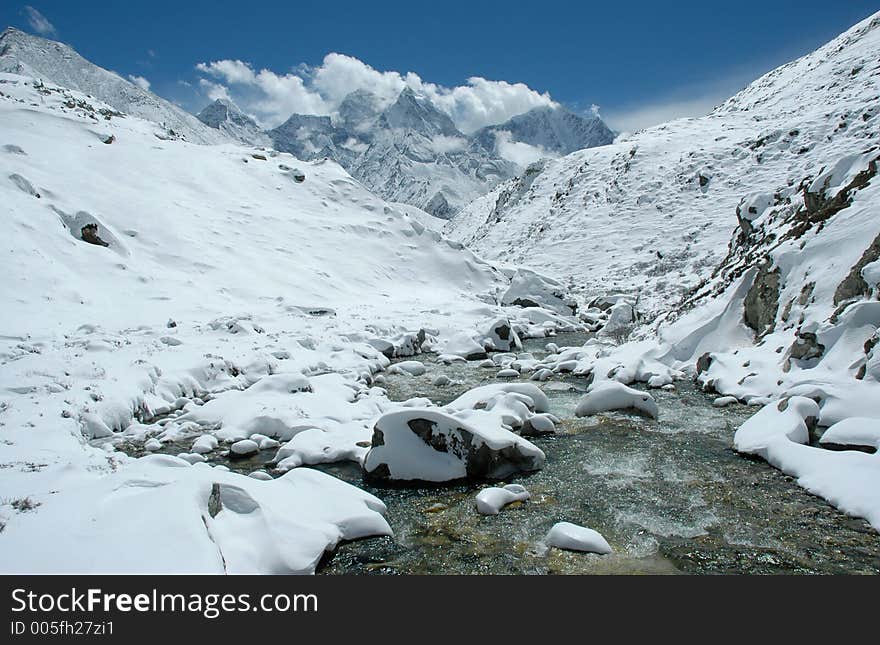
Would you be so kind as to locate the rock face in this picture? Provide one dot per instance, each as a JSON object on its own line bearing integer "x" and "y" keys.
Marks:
{"x": 430, "y": 445}
{"x": 225, "y": 116}
{"x": 762, "y": 301}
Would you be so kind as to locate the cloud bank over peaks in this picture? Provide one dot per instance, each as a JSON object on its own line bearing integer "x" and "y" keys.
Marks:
{"x": 273, "y": 97}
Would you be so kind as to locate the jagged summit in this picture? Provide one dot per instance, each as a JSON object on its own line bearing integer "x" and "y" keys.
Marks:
{"x": 226, "y": 116}
{"x": 410, "y": 151}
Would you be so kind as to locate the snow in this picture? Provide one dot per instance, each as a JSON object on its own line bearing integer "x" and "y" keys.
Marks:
{"x": 413, "y": 368}
{"x": 159, "y": 507}
{"x": 610, "y": 395}
{"x": 854, "y": 431}
{"x": 232, "y": 302}
{"x": 565, "y": 535}
{"x": 848, "y": 479}
{"x": 491, "y": 500}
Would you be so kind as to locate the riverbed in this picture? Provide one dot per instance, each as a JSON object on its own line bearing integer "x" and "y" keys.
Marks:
{"x": 670, "y": 496}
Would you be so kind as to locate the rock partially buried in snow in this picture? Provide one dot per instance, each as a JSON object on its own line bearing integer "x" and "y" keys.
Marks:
{"x": 490, "y": 501}
{"x": 262, "y": 475}
{"x": 611, "y": 395}
{"x": 855, "y": 432}
{"x": 430, "y": 445}
{"x": 502, "y": 337}
{"x": 787, "y": 420}
{"x": 441, "y": 381}
{"x": 244, "y": 448}
{"x": 507, "y": 373}
{"x": 152, "y": 445}
{"x": 414, "y": 368}
{"x": 565, "y": 535}
{"x": 191, "y": 457}
{"x": 204, "y": 444}
{"x": 724, "y": 401}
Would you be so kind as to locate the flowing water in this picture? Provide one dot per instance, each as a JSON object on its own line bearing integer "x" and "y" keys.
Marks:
{"x": 670, "y": 496}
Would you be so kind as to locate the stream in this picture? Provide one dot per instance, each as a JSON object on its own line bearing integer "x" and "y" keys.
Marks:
{"x": 670, "y": 496}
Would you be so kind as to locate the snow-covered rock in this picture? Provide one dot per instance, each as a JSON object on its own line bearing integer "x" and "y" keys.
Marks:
{"x": 565, "y": 535}
{"x": 860, "y": 432}
{"x": 413, "y": 368}
{"x": 530, "y": 289}
{"x": 244, "y": 447}
{"x": 430, "y": 445}
{"x": 787, "y": 420}
{"x": 204, "y": 444}
{"x": 611, "y": 395}
{"x": 491, "y": 500}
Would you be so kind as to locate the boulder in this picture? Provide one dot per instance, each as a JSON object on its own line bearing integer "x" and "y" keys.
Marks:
{"x": 429, "y": 445}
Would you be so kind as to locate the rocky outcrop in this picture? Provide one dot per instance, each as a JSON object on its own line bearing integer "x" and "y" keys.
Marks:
{"x": 762, "y": 301}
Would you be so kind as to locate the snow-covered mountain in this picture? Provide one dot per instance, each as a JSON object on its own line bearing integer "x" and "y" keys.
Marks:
{"x": 411, "y": 152}
{"x": 57, "y": 63}
{"x": 225, "y": 116}
{"x": 550, "y": 129}
{"x": 748, "y": 241}
{"x": 408, "y": 152}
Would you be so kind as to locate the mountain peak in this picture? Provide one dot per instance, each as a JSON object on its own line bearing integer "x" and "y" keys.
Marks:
{"x": 416, "y": 112}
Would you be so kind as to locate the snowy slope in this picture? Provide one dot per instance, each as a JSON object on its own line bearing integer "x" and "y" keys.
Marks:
{"x": 57, "y": 63}
{"x": 653, "y": 215}
{"x": 750, "y": 242}
{"x": 228, "y": 296}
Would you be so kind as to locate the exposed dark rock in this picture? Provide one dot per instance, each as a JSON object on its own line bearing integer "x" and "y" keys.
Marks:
{"x": 854, "y": 285}
{"x": 762, "y": 301}
{"x": 806, "y": 347}
{"x": 215, "y": 504}
{"x": 89, "y": 233}
{"x": 703, "y": 363}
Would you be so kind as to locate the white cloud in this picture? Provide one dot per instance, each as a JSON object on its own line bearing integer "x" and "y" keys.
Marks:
{"x": 140, "y": 81}
{"x": 274, "y": 97}
{"x": 442, "y": 144}
{"x": 522, "y": 154}
{"x": 38, "y": 22}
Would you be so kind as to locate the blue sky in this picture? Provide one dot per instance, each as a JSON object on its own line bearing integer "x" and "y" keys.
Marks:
{"x": 641, "y": 62}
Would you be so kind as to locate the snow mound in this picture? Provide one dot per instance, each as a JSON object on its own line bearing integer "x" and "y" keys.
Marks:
{"x": 854, "y": 431}
{"x": 611, "y": 395}
{"x": 191, "y": 520}
{"x": 490, "y": 501}
{"x": 565, "y": 535}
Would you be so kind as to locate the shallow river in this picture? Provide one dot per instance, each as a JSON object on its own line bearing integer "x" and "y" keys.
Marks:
{"x": 670, "y": 496}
